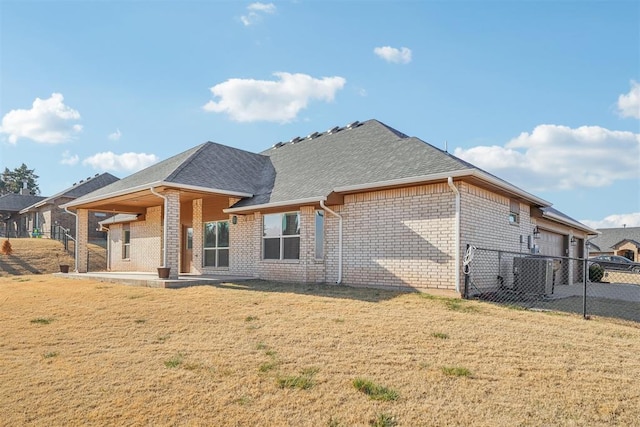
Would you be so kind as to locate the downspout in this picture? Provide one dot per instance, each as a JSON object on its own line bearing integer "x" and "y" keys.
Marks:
{"x": 324, "y": 207}
{"x": 75, "y": 243}
{"x": 164, "y": 231}
{"x": 457, "y": 231}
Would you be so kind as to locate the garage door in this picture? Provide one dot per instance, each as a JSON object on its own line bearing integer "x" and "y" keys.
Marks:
{"x": 552, "y": 244}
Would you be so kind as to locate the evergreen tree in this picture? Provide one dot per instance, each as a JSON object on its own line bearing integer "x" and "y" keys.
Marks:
{"x": 12, "y": 181}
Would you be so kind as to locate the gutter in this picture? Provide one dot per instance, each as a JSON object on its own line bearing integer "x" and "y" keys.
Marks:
{"x": 457, "y": 231}
{"x": 164, "y": 228}
{"x": 308, "y": 200}
{"x": 75, "y": 241}
{"x": 323, "y": 206}
{"x": 567, "y": 221}
{"x": 476, "y": 173}
{"x": 81, "y": 201}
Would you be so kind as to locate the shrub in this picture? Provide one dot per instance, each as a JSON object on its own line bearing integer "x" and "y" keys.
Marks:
{"x": 6, "y": 247}
{"x": 596, "y": 273}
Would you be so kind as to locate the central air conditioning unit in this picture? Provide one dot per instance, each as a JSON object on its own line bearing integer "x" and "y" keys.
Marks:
{"x": 533, "y": 275}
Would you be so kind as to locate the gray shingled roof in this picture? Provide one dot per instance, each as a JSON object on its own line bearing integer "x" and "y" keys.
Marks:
{"x": 11, "y": 203}
{"x": 78, "y": 189}
{"x": 371, "y": 152}
{"x": 611, "y": 236}
{"x": 207, "y": 165}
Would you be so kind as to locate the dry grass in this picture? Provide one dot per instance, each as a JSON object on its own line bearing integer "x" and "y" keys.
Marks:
{"x": 232, "y": 355}
{"x": 43, "y": 256}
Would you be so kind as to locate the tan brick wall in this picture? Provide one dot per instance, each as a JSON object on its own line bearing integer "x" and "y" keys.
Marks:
{"x": 146, "y": 243}
{"x": 397, "y": 238}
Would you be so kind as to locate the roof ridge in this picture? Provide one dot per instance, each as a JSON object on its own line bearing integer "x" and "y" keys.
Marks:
{"x": 187, "y": 161}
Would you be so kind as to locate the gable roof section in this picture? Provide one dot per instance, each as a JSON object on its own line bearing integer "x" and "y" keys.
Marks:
{"x": 611, "y": 237}
{"x": 367, "y": 155}
{"x": 12, "y": 203}
{"x": 209, "y": 166}
{"x": 557, "y": 216}
{"x": 76, "y": 190}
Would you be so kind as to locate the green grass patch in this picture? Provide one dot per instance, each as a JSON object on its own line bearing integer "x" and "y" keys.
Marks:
{"x": 50, "y": 354}
{"x": 460, "y": 305}
{"x": 250, "y": 318}
{"x": 383, "y": 420}
{"x": 304, "y": 381}
{"x": 175, "y": 361}
{"x": 268, "y": 366}
{"x": 456, "y": 371}
{"x": 261, "y": 346}
{"x": 140, "y": 321}
{"x": 375, "y": 391}
{"x": 440, "y": 335}
{"x": 42, "y": 320}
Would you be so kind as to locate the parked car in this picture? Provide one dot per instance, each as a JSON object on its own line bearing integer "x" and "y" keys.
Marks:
{"x": 615, "y": 262}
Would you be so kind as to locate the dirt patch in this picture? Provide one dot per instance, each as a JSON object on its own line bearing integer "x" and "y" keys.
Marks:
{"x": 257, "y": 353}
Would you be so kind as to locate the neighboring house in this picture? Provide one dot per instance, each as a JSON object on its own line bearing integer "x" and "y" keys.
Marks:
{"x": 363, "y": 205}
{"x": 623, "y": 241}
{"x": 46, "y": 218}
{"x": 12, "y": 224}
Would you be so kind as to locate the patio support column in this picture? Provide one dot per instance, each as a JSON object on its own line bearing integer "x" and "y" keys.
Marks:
{"x": 172, "y": 233}
{"x": 198, "y": 238}
{"x": 82, "y": 240}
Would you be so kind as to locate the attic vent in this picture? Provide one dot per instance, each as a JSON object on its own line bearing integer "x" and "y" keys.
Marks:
{"x": 277, "y": 145}
{"x": 353, "y": 125}
{"x": 96, "y": 174}
{"x": 81, "y": 181}
{"x": 334, "y": 130}
{"x": 313, "y": 135}
{"x": 296, "y": 139}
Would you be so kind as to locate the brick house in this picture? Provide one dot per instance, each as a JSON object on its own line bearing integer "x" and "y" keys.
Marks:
{"x": 12, "y": 224}
{"x": 363, "y": 205}
{"x": 46, "y": 217}
{"x": 623, "y": 241}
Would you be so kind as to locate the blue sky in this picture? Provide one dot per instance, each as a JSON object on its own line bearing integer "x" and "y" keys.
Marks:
{"x": 543, "y": 94}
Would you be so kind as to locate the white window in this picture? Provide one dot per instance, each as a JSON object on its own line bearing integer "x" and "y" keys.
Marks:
{"x": 514, "y": 212}
{"x": 281, "y": 236}
{"x": 319, "y": 234}
{"x": 216, "y": 244}
{"x": 126, "y": 242}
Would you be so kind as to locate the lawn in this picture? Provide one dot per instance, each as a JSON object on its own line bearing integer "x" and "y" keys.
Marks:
{"x": 79, "y": 352}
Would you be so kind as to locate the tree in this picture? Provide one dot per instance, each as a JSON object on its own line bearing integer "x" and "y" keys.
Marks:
{"x": 13, "y": 181}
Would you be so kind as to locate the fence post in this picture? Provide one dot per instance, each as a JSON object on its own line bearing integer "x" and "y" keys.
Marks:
{"x": 466, "y": 270}
{"x": 584, "y": 291}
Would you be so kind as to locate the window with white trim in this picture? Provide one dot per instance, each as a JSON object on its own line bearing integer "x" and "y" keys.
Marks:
{"x": 514, "y": 212}
{"x": 126, "y": 242}
{"x": 281, "y": 236}
{"x": 216, "y": 244}
{"x": 319, "y": 234}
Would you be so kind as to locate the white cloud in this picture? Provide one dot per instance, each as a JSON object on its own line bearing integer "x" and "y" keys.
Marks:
{"x": 68, "y": 159}
{"x": 615, "y": 221}
{"x": 248, "y": 100}
{"x": 554, "y": 157}
{"x": 256, "y": 11}
{"x": 115, "y": 136}
{"x": 48, "y": 121}
{"x": 629, "y": 104}
{"x": 128, "y": 162}
{"x": 392, "y": 54}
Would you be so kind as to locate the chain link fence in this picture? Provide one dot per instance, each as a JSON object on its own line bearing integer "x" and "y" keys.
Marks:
{"x": 539, "y": 282}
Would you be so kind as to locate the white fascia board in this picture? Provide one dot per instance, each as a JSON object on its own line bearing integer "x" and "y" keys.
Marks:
{"x": 443, "y": 176}
{"x": 566, "y": 221}
{"x": 509, "y": 187}
{"x": 153, "y": 185}
{"x": 252, "y": 208}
